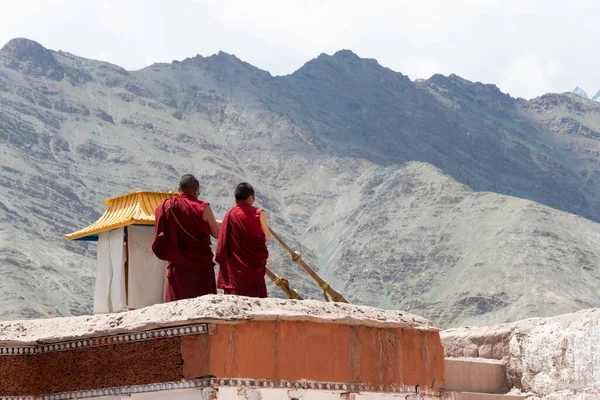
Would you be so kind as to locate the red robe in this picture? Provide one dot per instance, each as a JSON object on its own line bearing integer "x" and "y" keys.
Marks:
{"x": 242, "y": 252}
{"x": 190, "y": 268}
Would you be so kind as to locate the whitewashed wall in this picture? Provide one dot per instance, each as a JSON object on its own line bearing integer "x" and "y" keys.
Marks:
{"x": 262, "y": 394}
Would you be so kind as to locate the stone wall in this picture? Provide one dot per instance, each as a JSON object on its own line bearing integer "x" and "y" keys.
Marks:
{"x": 551, "y": 358}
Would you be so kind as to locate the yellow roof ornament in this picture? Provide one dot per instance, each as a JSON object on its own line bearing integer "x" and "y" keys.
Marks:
{"x": 133, "y": 209}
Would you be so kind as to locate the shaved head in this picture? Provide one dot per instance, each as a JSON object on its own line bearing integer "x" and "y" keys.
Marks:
{"x": 243, "y": 191}
{"x": 188, "y": 184}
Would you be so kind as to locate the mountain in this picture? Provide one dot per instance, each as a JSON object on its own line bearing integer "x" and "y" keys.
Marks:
{"x": 580, "y": 92}
{"x": 443, "y": 197}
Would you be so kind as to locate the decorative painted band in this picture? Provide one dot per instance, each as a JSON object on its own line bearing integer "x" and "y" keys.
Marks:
{"x": 215, "y": 383}
{"x": 106, "y": 340}
{"x": 305, "y": 384}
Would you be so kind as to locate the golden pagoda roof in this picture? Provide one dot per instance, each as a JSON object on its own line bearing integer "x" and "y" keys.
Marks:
{"x": 135, "y": 208}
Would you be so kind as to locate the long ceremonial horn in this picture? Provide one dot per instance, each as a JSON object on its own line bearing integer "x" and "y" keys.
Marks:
{"x": 297, "y": 257}
{"x": 282, "y": 283}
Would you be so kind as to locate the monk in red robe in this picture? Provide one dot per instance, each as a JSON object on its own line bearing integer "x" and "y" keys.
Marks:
{"x": 183, "y": 229}
{"x": 241, "y": 249}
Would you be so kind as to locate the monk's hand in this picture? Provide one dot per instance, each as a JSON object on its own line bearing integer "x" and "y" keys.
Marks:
{"x": 296, "y": 256}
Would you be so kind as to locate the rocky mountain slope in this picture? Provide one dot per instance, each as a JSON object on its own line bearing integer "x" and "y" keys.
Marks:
{"x": 440, "y": 196}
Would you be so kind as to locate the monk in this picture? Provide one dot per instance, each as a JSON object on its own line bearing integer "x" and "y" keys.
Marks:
{"x": 183, "y": 229}
{"x": 242, "y": 247}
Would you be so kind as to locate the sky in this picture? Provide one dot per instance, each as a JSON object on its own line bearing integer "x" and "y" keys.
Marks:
{"x": 525, "y": 47}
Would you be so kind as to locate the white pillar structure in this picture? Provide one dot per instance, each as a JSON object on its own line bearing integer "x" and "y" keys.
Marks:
{"x": 147, "y": 274}
{"x": 110, "y": 290}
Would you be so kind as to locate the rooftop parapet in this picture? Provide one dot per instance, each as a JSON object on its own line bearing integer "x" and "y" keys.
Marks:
{"x": 217, "y": 341}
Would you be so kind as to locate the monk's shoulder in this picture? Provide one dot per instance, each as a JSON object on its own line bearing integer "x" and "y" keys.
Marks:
{"x": 255, "y": 215}
{"x": 237, "y": 211}
{"x": 201, "y": 203}
{"x": 196, "y": 202}
{"x": 253, "y": 211}
{"x": 163, "y": 205}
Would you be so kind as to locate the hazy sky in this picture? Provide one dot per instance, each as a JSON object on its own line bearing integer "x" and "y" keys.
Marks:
{"x": 526, "y": 47}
